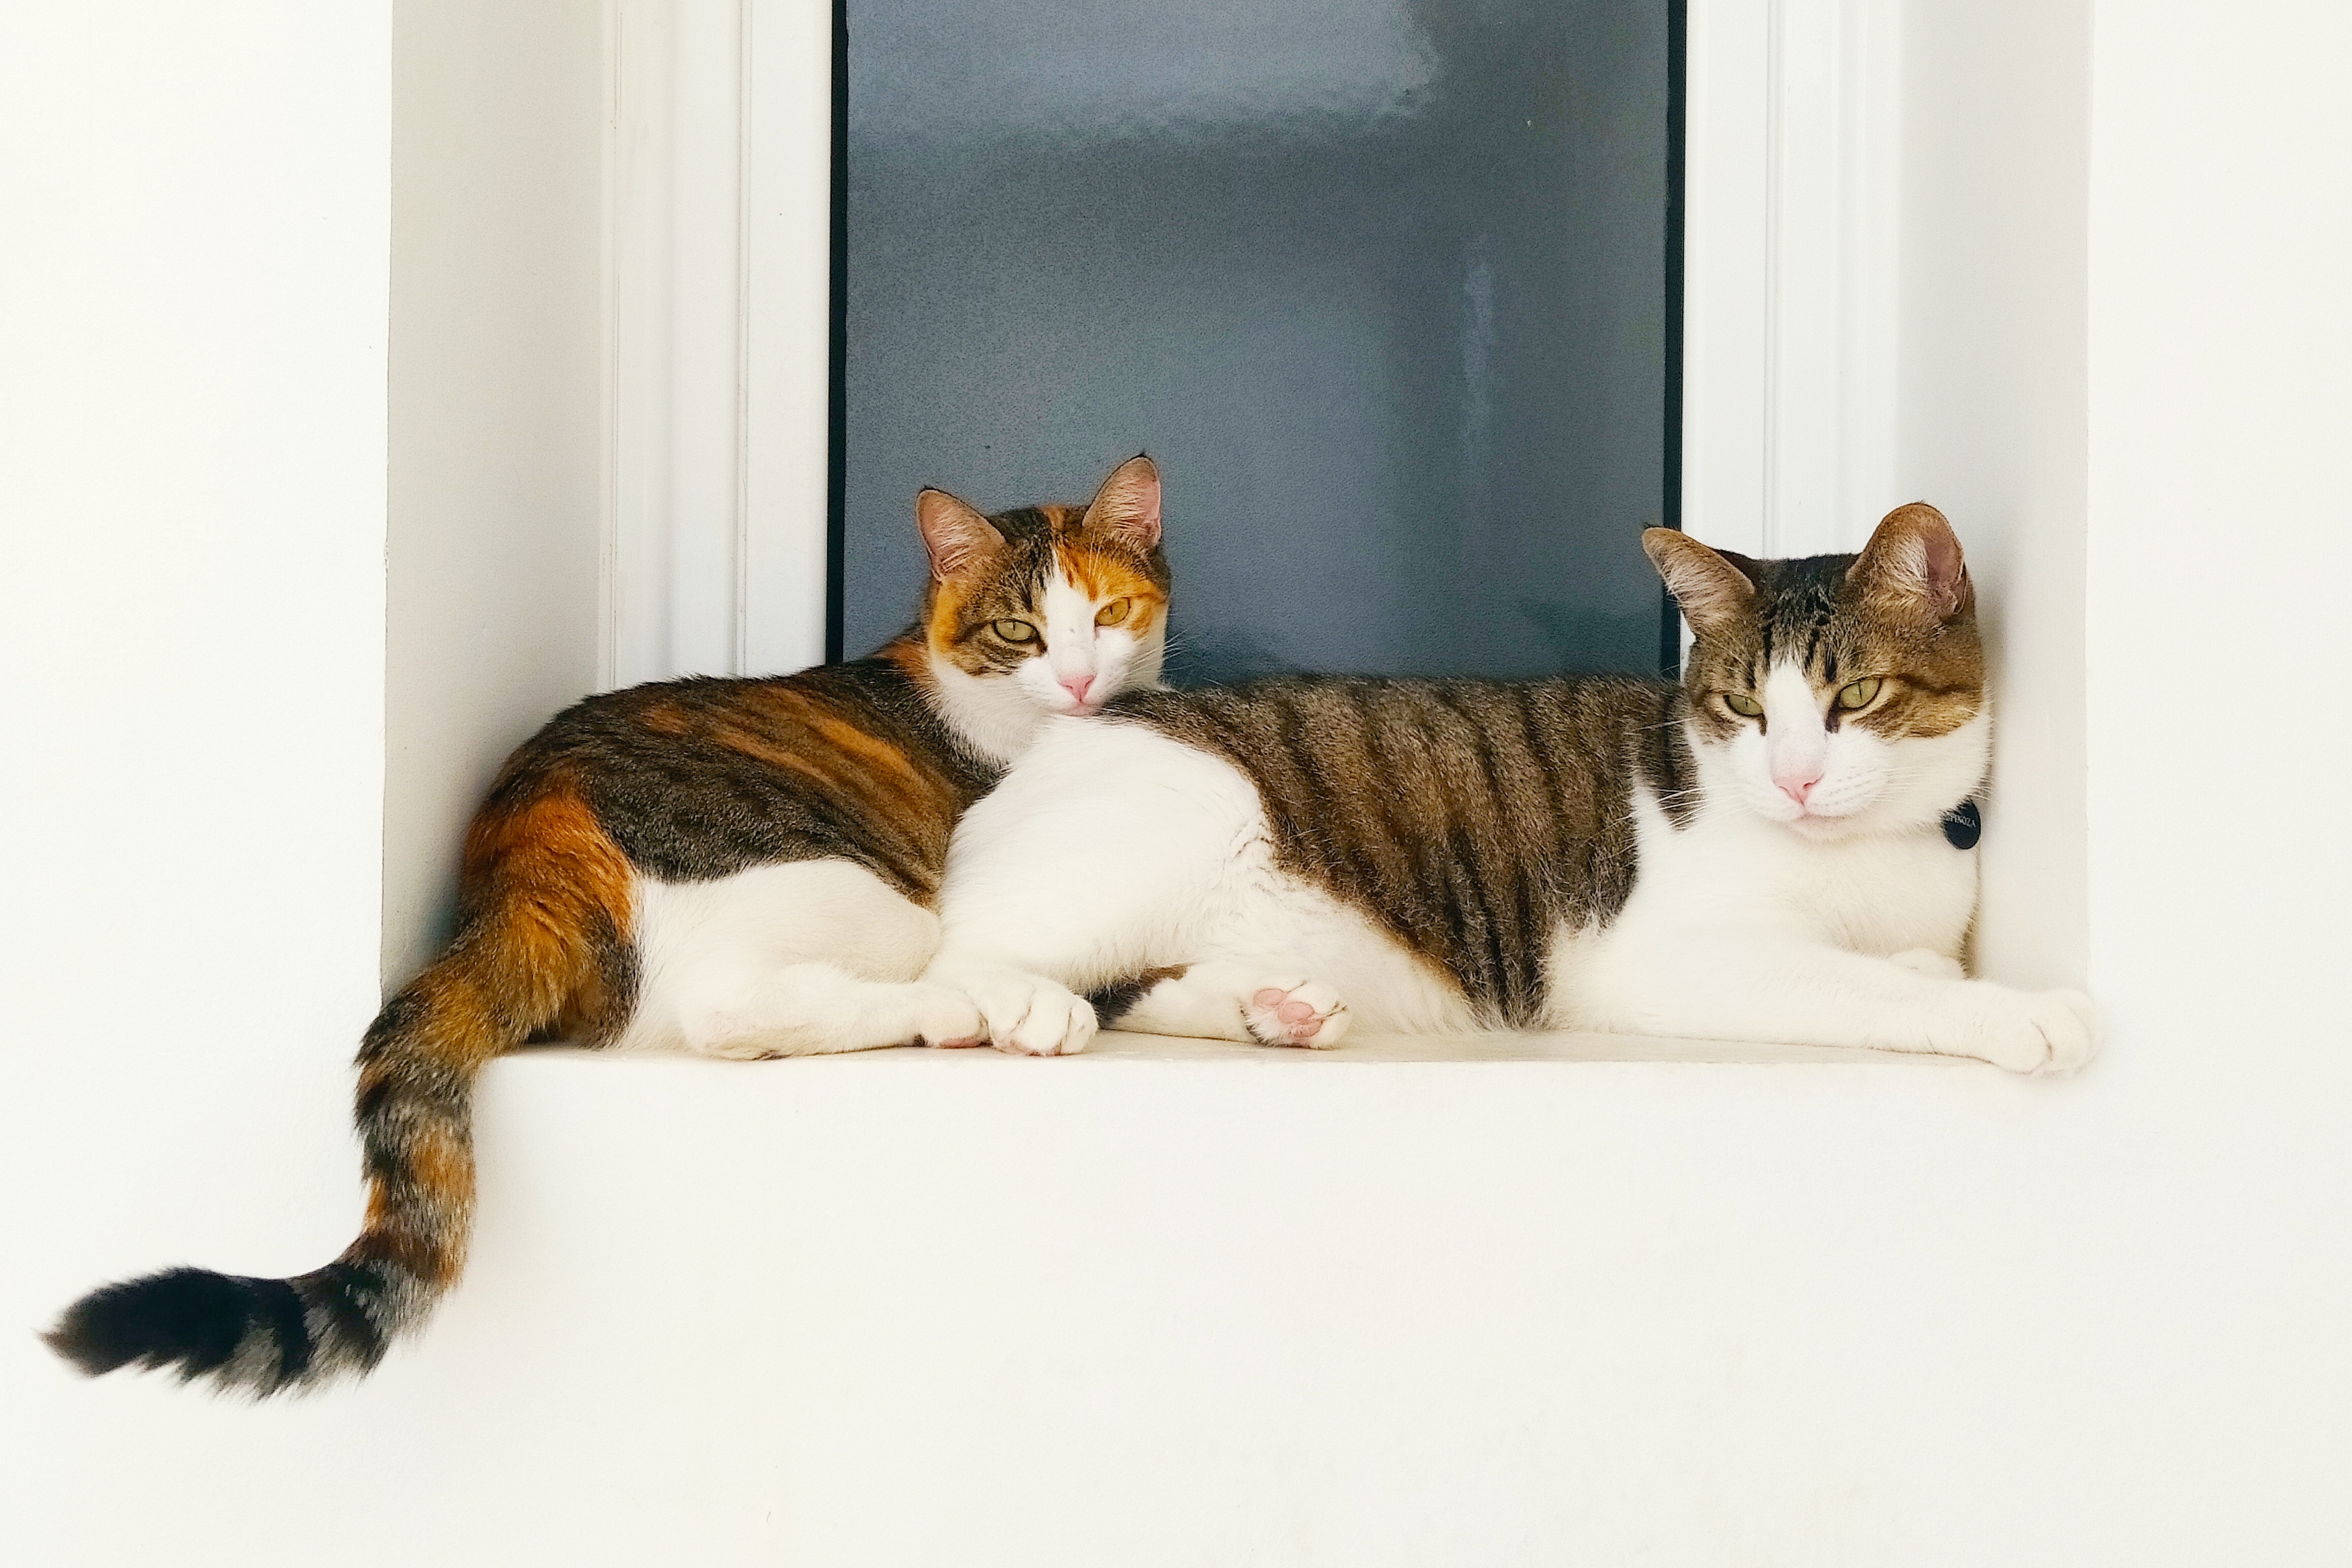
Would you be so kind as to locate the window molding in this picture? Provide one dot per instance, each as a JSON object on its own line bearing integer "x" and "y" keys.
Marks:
{"x": 1791, "y": 224}
{"x": 718, "y": 306}
{"x": 720, "y": 211}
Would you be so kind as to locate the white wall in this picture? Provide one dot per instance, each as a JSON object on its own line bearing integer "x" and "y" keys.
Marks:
{"x": 2221, "y": 397}
{"x": 497, "y": 417}
{"x": 1990, "y": 420}
{"x": 950, "y": 1308}
{"x": 192, "y": 456}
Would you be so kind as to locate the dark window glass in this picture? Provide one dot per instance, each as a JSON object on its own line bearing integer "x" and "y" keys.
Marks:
{"x": 1382, "y": 286}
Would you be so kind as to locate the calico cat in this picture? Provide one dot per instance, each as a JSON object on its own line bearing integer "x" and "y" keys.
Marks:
{"x": 1762, "y": 852}
{"x": 745, "y": 868}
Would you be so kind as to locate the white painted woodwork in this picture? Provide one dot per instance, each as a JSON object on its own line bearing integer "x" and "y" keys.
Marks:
{"x": 1792, "y": 258}
{"x": 721, "y": 251}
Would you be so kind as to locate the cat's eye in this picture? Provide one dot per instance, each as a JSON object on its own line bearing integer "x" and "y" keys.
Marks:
{"x": 1858, "y": 693}
{"x": 1016, "y": 631}
{"x": 1747, "y": 706}
{"x": 1110, "y": 615}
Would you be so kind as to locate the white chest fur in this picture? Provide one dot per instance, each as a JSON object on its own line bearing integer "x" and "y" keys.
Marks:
{"x": 1729, "y": 882}
{"x": 784, "y": 960}
{"x": 1879, "y": 893}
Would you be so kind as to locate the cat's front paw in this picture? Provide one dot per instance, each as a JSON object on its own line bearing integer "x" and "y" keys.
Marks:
{"x": 1294, "y": 1012}
{"x": 2043, "y": 1032}
{"x": 948, "y": 1020}
{"x": 1028, "y": 1014}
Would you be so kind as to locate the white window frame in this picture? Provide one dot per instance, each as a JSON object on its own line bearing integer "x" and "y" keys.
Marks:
{"x": 719, "y": 266}
{"x": 1790, "y": 260}
{"x": 720, "y": 167}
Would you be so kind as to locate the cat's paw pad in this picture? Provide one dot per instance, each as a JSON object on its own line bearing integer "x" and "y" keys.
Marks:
{"x": 1928, "y": 961}
{"x": 1295, "y": 1013}
{"x": 2046, "y": 1033}
{"x": 1028, "y": 1014}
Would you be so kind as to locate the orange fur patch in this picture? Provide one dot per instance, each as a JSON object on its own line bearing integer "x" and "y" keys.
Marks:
{"x": 434, "y": 1260}
{"x": 1107, "y": 575}
{"x": 908, "y": 655}
{"x": 439, "y": 1182}
{"x": 546, "y": 889}
{"x": 550, "y": 880}
{"x": 940, "y": 615}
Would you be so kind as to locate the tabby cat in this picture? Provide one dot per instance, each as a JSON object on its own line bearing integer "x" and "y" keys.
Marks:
{"x": 1780, "y": 848}
{"x": 745, "y": 868}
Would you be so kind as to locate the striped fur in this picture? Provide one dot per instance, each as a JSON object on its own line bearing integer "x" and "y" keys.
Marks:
{"x": 1469, "y": 817}
{"x": 681, "y": 783}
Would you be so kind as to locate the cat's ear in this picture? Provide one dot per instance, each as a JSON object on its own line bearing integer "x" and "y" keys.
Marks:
{"x": 1712, "y": 586}
{"x": 1912, "y": 566}
{"x": 956, "y": 536}
{"x": 1127, "y": 505}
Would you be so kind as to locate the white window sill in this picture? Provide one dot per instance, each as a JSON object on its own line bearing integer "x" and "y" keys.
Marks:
{"x": 1552, "y": 1045}
{"x": 1114, "y": 1045}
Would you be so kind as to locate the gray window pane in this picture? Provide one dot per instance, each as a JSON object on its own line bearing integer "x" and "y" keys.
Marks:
{"x": 1381, "y": 286}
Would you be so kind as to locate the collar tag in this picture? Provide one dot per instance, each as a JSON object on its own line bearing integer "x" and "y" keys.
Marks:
{"x": 1963, "y": 825}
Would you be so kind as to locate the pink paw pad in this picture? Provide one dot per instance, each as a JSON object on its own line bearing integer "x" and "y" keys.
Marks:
{"x": 1301, "y": 1015}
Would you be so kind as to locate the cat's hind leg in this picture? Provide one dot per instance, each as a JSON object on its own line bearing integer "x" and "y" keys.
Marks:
{"x": 813, "y": 1009}
{"x": 1226, "y": 1001}
{"x": 799, "y": 958}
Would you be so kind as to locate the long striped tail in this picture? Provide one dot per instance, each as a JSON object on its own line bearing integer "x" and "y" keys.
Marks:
{"x": 556, "y": 896}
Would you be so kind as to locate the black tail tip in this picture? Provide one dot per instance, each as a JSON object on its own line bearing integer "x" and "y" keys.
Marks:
{"x": 187, "y": 1318}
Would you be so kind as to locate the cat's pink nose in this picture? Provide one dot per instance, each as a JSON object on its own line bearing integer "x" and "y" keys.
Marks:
{"x": 1075, "y": 684}
{"x": 1796, "y": 786}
